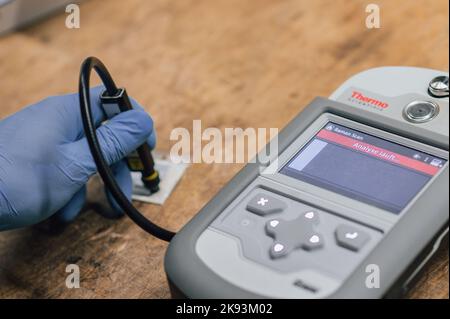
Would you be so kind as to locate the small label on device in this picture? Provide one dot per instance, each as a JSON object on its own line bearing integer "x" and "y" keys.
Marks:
{"x": 361, "y": 98}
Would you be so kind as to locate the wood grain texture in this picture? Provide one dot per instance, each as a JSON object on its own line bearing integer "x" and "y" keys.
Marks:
{"x": 230, "y": 63}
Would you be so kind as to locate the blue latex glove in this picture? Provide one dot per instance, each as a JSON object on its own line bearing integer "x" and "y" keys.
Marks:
{"x": 45, "y": 160}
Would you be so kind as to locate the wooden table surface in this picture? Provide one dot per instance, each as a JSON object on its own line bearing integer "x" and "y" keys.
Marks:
{"x": 230, "y": 63}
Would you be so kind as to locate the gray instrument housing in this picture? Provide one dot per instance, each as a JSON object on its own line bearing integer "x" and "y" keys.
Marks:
{"x": 212, "y": 258}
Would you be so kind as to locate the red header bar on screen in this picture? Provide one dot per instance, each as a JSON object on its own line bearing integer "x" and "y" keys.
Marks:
{"x": 378, "y": 152}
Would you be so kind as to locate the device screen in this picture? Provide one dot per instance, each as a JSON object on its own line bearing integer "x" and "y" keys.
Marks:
{"x": 363, "y": 167}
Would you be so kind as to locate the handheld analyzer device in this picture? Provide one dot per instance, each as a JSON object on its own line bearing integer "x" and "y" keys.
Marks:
{"x": 355, "y": 206}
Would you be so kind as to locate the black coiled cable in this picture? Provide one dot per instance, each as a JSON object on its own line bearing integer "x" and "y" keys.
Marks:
{"x": 91, "y": 136}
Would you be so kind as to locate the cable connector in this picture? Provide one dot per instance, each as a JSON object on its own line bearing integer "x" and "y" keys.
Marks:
{"x": 141, "y": 160}
{"x": 115, "y": 104}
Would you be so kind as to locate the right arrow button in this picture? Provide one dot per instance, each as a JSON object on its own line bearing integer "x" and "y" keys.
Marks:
{"x": 351, "y": 237}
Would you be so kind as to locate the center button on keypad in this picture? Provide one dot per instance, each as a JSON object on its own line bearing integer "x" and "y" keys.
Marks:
{"x": 293, "y": 234}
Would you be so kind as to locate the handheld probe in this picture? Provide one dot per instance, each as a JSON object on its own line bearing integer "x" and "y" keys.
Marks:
{"x": 141, "y": 160}
{"x": 116, "y": 100}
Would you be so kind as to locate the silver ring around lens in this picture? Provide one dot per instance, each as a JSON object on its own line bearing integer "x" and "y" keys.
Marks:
{"x": 420, "y": 111}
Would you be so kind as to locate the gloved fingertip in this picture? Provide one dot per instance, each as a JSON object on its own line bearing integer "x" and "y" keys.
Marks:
{"x": 72, "y": 209}
{"x": 124, "y": 133}
{"x": 136, "y": 105}
{"x": 123, "y": 178}
{"x": 96, "y": 91}
{"x": 143, "y": 121}
{"x": 151, "y": 140}
{"x": 55, "y": 224}
{"x": 136, "y": 121}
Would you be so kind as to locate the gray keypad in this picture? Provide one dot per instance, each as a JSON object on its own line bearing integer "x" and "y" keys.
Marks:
{"x": 281, "y": 234}
{"x": 351, "y": 237}
{"x": 263, "y": 204}
{"x": 294, "y": 234}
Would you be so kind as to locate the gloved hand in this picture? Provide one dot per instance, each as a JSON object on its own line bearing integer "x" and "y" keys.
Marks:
{"x": 45, "y": 160}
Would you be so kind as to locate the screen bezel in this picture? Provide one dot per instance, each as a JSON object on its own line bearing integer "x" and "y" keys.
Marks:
{"x": 365, "y": 210}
